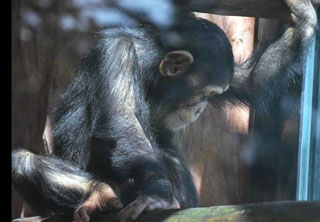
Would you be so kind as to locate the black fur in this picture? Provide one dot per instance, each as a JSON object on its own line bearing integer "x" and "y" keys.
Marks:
{"x": 109, "y": 124}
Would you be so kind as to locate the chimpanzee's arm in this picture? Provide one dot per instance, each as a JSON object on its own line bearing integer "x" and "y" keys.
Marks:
{"x": 262, "y": 77}
{"x": 124, "y": 116}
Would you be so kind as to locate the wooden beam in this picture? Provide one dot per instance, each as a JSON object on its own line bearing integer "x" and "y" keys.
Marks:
{"x": 274, "y": 9}
{"x": 292, "y": 211}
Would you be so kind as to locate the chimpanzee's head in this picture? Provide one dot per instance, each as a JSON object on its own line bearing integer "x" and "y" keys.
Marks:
{"x": 197, "y": 65}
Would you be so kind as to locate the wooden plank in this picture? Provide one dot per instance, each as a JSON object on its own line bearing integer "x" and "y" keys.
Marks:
{"x": 274, "y": 9}
{"x": 292, "y": 211}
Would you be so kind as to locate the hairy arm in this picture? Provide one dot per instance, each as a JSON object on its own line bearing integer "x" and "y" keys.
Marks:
{"x": 125, "y": 113}
{"x": 262, "y": 77}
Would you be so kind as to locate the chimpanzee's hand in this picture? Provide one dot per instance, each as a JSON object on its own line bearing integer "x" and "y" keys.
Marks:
{"x": 101, "y": 199}
{"x": 302, "y": 10}
{"x": 145, "y": 204}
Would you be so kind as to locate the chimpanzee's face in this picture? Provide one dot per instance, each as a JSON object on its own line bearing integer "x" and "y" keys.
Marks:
{"x": 187, "y": 89}
{"x": 189, "y": 110}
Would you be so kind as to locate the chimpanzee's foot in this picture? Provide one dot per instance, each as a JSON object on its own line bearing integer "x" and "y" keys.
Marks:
{"x": 102, "y": 199}
{"x": 145, "y": 204}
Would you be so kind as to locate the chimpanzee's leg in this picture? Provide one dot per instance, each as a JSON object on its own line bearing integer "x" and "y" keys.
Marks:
{"x": 185, "y": 194}
{"x": 50, "y": 184}
{"x": 180, "y": 178}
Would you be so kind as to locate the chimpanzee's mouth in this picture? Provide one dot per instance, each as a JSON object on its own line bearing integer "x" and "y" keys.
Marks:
{"x": 192, "y": 102}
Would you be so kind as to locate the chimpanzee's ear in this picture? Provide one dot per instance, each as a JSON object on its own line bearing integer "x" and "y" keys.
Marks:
{"x": 176, "y": 63}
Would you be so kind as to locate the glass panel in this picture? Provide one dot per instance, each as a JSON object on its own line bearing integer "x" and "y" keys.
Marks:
{"x": 309, "y": 152}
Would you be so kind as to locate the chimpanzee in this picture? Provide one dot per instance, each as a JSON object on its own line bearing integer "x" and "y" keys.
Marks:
{"x": 113, "y": 126}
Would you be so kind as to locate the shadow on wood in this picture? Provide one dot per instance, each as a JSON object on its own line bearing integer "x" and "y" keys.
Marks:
{"x": 279, "y": 211}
